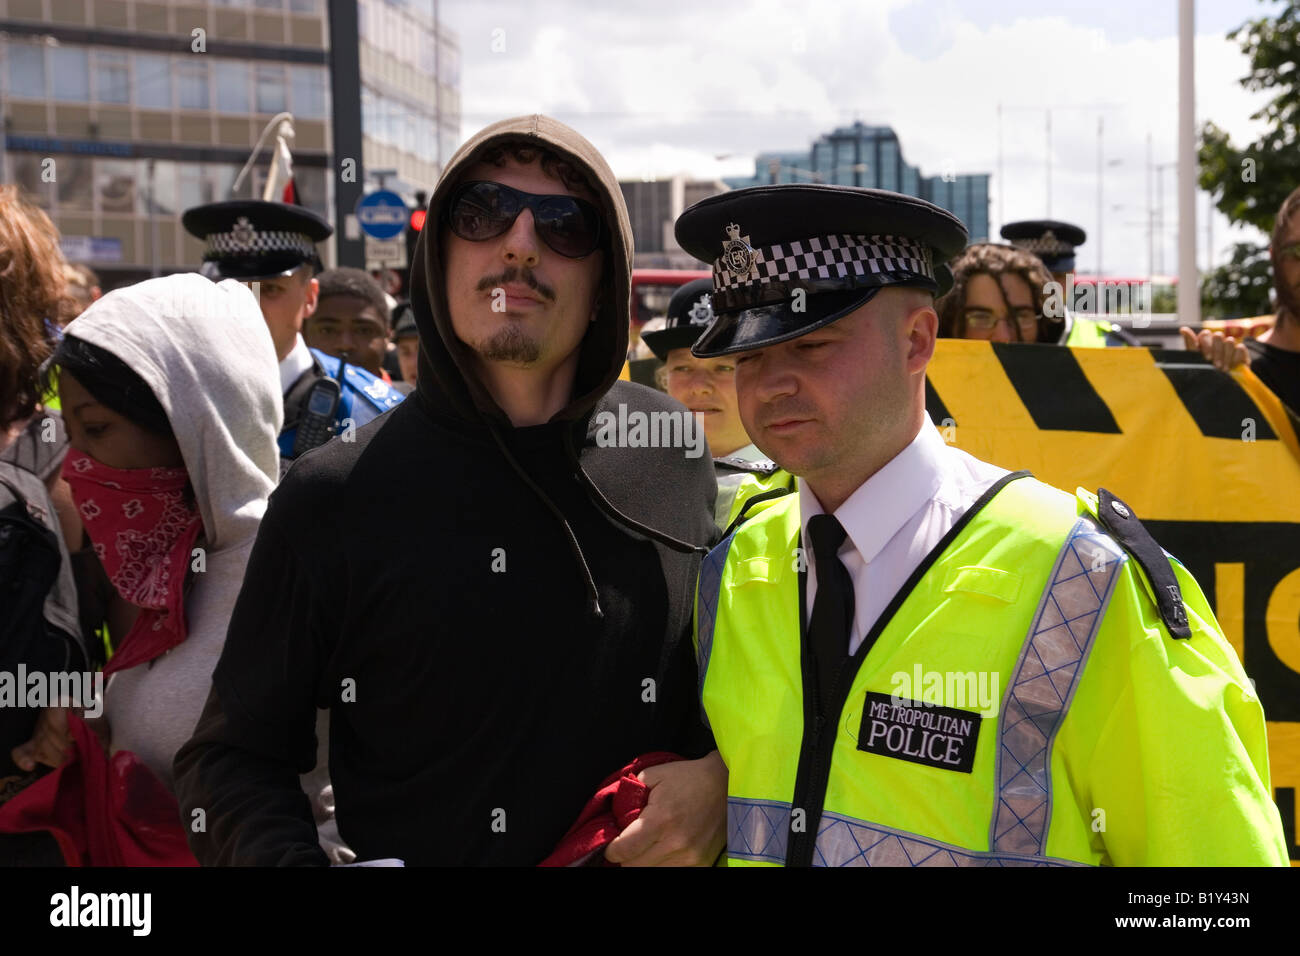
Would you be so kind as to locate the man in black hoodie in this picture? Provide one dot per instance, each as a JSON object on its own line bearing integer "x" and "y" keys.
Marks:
{"x": 482, "y": 684}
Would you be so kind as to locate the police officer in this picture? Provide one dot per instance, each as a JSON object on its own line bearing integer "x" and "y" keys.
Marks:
{"x": 274, "y": 245}
{"x": 920, "y": 658}
{"x": 1054, "y": 242}
{"x": 708, "y": 388}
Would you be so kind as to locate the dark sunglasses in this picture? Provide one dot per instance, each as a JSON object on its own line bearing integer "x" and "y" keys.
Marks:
{"x": 479, "y": 211}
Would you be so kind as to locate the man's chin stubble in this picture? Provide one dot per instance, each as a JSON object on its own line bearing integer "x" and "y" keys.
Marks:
{"x": 509, "y": 344}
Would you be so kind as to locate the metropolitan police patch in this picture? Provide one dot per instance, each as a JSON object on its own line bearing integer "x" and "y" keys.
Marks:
{"x": 942, "y": 737}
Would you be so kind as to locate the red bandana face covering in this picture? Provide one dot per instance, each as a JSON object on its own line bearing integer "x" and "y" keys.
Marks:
{"x": 143, "y": 532}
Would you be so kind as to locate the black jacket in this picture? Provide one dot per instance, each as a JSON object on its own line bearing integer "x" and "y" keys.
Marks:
{"x": 525, "y": 634}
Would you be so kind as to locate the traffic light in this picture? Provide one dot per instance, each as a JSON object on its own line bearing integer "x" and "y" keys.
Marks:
{"x": 416, "y": 225}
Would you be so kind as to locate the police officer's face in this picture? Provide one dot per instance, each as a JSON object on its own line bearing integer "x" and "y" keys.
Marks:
{"x": 285, "y": 302}
{"x": 513, "y": 299}
{"x": 347, "y": 326}
{"x": 707, "y": 386}
{"x": 836, "y": 404}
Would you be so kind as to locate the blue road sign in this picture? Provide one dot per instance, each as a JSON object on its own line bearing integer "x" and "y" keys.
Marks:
{"x": 382, "y": 214}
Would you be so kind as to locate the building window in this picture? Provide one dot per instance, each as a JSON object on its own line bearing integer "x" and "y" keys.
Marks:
{"x": 26, "y": 70}
{"x": 448, "y": 64}
{"x": 153, "y": 82}
{"x": 217, "y": 180}
{"x": 70, "y": 74}
{"x": 192, "y": 85}
{"x": 112, "y": 77}
{"x": 156, "y": 196}
{"x": 190, "y": 189}
{"x": 232, "y": 86}
{"x": 269, "y": 4}
{"x": 115, "y": 185}
{"x": 304, "y": 6}
{"x": 270, "y": 89}
{"x": 26, "y": 169}
{"x": 74, "y": 184}
{"x": 308, "y": 86}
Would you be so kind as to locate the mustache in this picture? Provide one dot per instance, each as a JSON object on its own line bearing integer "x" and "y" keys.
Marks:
{"x": 515, "y": 274}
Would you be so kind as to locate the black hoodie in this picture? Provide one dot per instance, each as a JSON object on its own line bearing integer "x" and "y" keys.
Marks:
{"x": 525, "y": 634}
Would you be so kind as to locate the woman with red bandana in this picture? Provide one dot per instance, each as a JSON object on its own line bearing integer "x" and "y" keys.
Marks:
{"x": 170, "y": 390}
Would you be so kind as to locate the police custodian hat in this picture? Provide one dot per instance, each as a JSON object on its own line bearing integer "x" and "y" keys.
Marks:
{"x": 1051, "y": 240}
{"x": 689, "y": 313}
{"x": 250, "y": 239}
{"x": 791, "y": 258}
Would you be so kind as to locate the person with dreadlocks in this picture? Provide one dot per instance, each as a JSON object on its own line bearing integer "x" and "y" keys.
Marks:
{"x": 997, "y": 295}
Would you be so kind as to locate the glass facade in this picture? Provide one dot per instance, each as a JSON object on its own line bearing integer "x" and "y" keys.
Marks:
{"x": 158, "y": 81}
{"x": 871, "y": 156}
{"x": 130, "y": 99}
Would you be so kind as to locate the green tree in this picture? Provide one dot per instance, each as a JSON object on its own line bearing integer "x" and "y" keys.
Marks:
{"x": 1249, "y": 183}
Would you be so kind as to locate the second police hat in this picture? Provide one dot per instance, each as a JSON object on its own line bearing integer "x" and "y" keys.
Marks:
{"x": 689, "y": 313}
{"x": 791, "y": 258}
{"x": 1051, "y": 240}
{"x": 251, "y": 239}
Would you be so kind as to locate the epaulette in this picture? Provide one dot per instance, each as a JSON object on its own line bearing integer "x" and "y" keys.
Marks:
{"x": 1124, "y": 526}
{"x": 760, "y": 466}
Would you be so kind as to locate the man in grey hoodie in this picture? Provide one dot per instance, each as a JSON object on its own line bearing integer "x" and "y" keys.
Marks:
{"x": 534, "y": 635}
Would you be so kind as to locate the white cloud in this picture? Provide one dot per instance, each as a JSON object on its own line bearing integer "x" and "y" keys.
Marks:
{"x": 673, "y": 86}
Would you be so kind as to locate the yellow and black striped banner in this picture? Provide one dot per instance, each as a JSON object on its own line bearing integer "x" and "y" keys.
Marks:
{"x": 1208, "y": 460}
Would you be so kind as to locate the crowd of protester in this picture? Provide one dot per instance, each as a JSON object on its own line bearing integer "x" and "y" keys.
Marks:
{"x": 145, "y": 427}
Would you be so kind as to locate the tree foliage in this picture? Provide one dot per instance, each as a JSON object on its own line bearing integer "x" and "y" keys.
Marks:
{"x": 1248, "y": 183}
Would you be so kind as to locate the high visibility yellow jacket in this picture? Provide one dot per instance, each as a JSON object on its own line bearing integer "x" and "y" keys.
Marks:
{"x": 1023, "y": 700}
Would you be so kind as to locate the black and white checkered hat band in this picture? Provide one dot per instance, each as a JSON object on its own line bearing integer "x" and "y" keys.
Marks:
{"x": 1044, "y": 246}
{"x": 222, "y": 245}
{"x": 826, "y": 258}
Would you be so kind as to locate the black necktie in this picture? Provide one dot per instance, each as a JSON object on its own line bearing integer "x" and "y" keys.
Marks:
{"x": 832, "y": 613}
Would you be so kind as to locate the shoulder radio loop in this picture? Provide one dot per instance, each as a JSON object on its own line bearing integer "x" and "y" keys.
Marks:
{"x": 1124, "y": 526}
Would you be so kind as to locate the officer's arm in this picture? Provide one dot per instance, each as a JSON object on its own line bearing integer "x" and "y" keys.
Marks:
{"x": 1180, "y": 770}
{"x": 237, "y": 777}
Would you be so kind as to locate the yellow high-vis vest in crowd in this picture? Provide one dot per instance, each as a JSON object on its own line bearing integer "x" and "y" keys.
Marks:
{"x": 1021, "y": 701}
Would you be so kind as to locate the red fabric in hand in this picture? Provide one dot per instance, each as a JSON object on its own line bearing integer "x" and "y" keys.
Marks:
{"x": 618, "y": 802}
{"x": 102, "y": 811}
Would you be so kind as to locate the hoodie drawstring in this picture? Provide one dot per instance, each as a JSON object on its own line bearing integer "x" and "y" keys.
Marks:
{"x": 593, "y": 600}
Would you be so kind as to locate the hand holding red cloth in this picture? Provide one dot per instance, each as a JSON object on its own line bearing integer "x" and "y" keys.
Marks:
{"x": 619, "y": 800}
{"x": 102, "y": 811}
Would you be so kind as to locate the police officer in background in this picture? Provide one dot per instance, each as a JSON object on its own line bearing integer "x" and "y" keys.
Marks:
{"x": 974, "y": 668}
{"x": 708, "y": 388}
{"x": 274, "y": 245}
{"x": 1054, "y": 242}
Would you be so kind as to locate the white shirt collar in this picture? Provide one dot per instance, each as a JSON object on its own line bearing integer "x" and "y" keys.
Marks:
{"x": 295, "y": 363}
{"x": 881, "y": 505}
{"x": 748, "y": 452}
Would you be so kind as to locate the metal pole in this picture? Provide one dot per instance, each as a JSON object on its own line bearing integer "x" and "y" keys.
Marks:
{"x": 437, "y": 83}
{"x": 1151, "y": 218}
{"x": 1100, "y": 208}
{"x": 155, "y": 269}
{"x": 1209, "y": 233}
{"x": 1002, "y": 179}
{"x": 1049, "y": 164}
{"x": 345, "y": 87}
{"x": 1160, "y": 216}
{"x": 1189, "y": 293}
